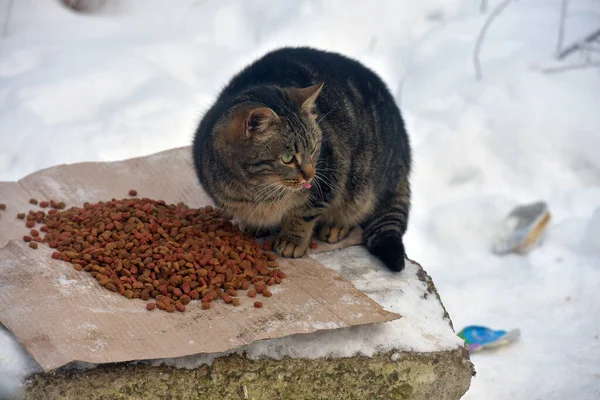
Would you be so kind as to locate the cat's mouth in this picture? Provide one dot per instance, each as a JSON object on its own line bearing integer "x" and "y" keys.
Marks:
{"x": 297, "y": 185}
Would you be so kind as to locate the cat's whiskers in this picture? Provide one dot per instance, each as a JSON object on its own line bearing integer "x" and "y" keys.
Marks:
{"x": 319, "y": 183}
{"x": 325, "y": 179}
{"x": 265, "y": 188}
{"x": 320, "y": 180}
{"x": 272, "y": 190}
{"x": 277, "y": 197}
{"x": 257, "y": 200}
{"x": 280, "y": 204}
{"x": 320, "y": 173}
{"x": 261, "y": 195}
{"x": 318, "y": 188}
{"x": 268, "y": 196}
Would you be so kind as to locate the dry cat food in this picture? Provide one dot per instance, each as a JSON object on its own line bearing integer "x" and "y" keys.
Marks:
{"x": 2, "y": 206}
{"x": 143, "y": 248}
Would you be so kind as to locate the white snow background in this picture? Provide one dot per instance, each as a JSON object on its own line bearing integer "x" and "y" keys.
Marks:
{"x": 135, "y": 78}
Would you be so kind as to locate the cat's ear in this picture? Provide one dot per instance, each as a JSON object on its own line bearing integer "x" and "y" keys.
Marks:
{"x": 305, "y": 97}
{"x": 258, "y": 123}
{"x": 251, "y": 123}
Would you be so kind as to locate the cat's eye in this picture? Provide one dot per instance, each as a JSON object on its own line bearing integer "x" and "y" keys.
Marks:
{"x": 287, "y": 158}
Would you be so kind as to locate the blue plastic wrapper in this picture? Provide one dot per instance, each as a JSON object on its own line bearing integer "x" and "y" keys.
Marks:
{"x": 480, "y": 337}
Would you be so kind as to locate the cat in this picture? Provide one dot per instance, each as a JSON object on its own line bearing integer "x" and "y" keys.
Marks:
{"x": 303, "y": 140}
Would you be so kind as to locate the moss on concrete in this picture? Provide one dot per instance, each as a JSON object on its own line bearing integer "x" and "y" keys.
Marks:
{"x": 394, "y": 375}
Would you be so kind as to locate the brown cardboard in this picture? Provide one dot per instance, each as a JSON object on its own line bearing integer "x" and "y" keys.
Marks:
{"x": 61, "y": 315}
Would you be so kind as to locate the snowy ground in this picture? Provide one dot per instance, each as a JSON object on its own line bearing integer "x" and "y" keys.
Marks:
{"x": 136, "y": 78}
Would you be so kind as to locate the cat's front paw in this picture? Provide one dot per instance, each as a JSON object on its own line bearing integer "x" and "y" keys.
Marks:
{"x": 289, "y": 247}
{"x": 333, "y": 233}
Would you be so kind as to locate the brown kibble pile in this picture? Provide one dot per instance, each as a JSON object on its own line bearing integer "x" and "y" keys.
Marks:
{"x": 2, "y": 206}
{"x": 142, "y": 248}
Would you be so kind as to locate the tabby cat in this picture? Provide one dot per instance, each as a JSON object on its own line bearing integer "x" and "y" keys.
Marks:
{"x": 304, "y": 139}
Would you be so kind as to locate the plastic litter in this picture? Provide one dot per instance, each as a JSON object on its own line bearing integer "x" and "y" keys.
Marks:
{"x": 522, "y": 229}
{"x": 478, "y": 338}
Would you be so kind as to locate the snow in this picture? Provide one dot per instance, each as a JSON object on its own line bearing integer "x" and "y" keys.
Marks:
{"x": 15, "y": 364}
{"x": 135, "y": 79}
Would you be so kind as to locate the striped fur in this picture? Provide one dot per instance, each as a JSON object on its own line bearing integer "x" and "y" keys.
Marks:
{"x": 338, "y": 124}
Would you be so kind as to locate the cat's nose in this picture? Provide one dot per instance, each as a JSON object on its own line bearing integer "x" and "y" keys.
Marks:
{"x": 308, "y": 172}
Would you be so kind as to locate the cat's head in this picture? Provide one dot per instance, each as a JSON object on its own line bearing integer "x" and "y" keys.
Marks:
{"x": 272, "y": 138}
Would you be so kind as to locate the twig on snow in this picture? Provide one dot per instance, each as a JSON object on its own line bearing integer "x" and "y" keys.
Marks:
{"x": 9, "y": 9}
{"x": 497, "y": 11}
{"x": 591, "y": 49}
{"x": 571, "y": 67}
{"x": 483, "y": 6}
{"x": 84, "y": 6}
{"x": 561, "y": 27}
{"x": 579, "y": 44}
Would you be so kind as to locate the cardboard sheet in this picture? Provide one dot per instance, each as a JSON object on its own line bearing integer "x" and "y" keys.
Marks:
{"x": 61, "y": 315}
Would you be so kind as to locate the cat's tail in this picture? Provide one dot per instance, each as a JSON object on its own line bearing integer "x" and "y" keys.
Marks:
{"x": 383, "y": 232}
